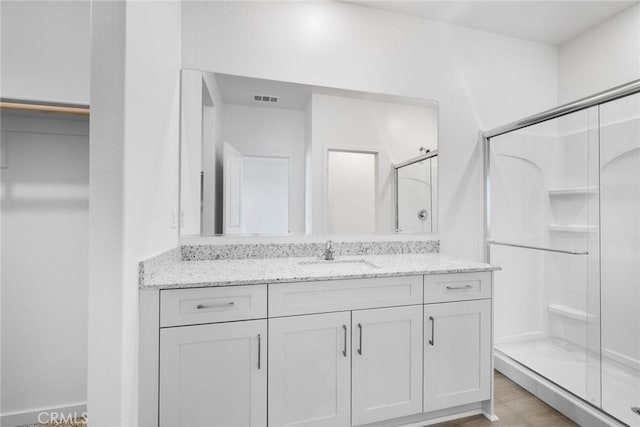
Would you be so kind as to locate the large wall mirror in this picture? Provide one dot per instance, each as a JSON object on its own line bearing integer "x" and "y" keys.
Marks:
{"x": 264, "y": 157}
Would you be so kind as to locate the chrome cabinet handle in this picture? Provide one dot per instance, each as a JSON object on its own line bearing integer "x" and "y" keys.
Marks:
{"x": 344, "y": 351}
{"x": 433, "y": 333}
{"x": 259, "y": 349}
{"x": 360, "y": 347}
{"x": 459, "y": 287}
{"x": 221, "y": 305}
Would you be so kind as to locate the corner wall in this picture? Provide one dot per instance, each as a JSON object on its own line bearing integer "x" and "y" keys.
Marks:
{"x": 135, "y": 75}
{"x": 600, "y": 58}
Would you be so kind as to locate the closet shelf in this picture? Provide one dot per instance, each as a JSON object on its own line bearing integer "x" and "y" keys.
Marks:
{"x": 569, "y": 191}
{"x": 573, "y": 228}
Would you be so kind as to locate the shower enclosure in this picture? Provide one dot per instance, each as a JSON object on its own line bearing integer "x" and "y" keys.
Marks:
{"x": 415, "y": 193}
{"x": 563, "y": 222}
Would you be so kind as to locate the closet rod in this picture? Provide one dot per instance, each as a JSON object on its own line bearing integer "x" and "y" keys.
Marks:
{"x": 44, "y": 108}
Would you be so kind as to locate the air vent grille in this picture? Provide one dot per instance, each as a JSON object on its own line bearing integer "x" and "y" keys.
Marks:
{"x": 265, "y": 98}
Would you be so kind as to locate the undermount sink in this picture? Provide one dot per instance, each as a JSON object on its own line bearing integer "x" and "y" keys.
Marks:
{"x": 341, "y": 264}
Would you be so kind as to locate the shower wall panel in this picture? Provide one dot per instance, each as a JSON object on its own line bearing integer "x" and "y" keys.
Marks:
{"x": 620, "y": 218}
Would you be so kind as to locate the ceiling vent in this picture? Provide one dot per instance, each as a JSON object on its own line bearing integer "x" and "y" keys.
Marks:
{"x": 265, "y": 98}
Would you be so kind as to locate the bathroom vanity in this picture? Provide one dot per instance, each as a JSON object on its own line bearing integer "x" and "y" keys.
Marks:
{"x": 391, "y": 338}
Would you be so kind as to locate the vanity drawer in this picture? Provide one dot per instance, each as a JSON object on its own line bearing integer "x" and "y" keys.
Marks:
{"x": 287, "y": 299}
{"x": 457, "y": 287}
{"x": 207, "y": 305}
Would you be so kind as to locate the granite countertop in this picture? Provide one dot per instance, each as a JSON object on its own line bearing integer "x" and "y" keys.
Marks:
{"x": 186, "y": 274}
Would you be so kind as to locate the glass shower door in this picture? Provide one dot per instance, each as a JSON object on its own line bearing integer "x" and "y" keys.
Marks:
{"x": 416, "y": 190}
{"x": 620, "y": 239}
{"x": 543, "y": 232}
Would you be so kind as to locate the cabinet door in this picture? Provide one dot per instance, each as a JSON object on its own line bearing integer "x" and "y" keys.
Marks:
{"x": 310, "y": 370}
{"x": 387, "y": 363}
{"x": 214, "y": 375}
{"x": 457, "y": 357}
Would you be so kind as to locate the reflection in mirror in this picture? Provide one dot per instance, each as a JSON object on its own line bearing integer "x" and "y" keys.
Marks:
{"x": 351, "y": 192}
{"x": 263, "y": 157}
{"x": 416, "y": 189}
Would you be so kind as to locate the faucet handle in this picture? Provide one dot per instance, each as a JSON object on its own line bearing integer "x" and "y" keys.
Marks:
{"x": 329, "y": 251}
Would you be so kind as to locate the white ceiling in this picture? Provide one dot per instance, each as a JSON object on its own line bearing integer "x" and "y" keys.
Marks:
{"x": 552, "y": 22}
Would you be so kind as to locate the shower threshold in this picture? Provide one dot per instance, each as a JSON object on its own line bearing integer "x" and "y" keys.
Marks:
{"x": 546, "y": 360}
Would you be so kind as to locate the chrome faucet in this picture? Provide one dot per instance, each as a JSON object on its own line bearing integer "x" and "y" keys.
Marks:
{"x": 329, "y": 251}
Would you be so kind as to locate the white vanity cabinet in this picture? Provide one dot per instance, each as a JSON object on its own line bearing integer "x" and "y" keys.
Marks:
{"x": 457, "y": 355}
{"x": 347, "y": 352}
{"x": 358, "y": 365}
{"x": 345, "y": 368}
{"x": 215, "y": 373}
{"x": 310, "y": 370}
{"x": 387, "y": 363}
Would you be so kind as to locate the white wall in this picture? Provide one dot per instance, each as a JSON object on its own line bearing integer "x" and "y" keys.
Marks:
{"x": 600, "y": 58}
{"x": 133, "y": 187}
{"x": 481, "y": 80}
{"x": 45, "y": 216}
{"x": 257, "y": 131}
{"x": 45, "y": 50}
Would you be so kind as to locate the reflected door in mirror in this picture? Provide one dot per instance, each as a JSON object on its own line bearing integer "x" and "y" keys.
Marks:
{"x": 351, "y": 192}
{"x": 256, "y": 196}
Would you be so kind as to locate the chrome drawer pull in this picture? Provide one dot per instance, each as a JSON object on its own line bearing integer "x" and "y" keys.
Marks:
{"x": 360, "y": 348}
{"x": 451, "y": 288}
{"x": 259, "y": 349}
{"x": 433, "y": 332}
{"x": 344, "y": 352}
{"x": 221, "y": 305}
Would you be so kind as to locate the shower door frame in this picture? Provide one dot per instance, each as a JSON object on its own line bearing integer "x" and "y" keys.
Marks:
{"x": 618, "y": 92}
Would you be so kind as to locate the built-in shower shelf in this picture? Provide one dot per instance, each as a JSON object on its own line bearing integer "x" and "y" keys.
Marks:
{"x": 573, "y": 228}
{"x": 570, "y": 191}
{"x": 571, "y": 313}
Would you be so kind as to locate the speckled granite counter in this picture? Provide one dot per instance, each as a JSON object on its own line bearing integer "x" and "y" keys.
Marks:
{"x": 175, "y": 273}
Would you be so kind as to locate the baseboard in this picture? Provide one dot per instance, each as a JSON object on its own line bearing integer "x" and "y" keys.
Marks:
{"x": 434, "y": 417}
{"x": 564, "y": 402}
{"x": 43, "y": 415}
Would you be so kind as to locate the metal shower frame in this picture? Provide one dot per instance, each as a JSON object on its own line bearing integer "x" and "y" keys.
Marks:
{"x": 599, "y": 98}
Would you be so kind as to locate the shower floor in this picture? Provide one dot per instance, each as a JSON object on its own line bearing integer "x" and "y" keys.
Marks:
{"x": 566, "y": 364}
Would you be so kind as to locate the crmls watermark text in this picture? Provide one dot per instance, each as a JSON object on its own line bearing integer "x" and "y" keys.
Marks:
{"x": 60, "y": 417}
